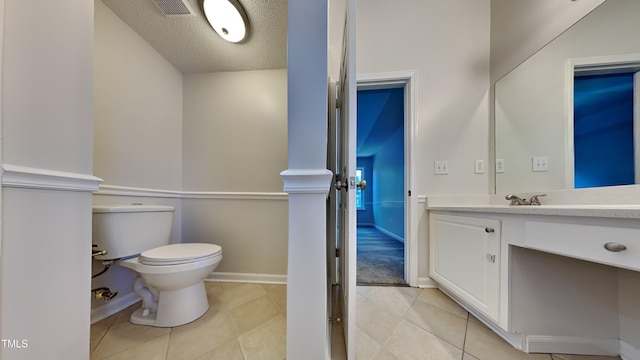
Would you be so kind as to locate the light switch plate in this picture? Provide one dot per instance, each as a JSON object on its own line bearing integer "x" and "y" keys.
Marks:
{"x": 478, "y": 167}
{"x": 540, "y": 164}
{"x": 441, "y": 167}
{"x": 499, "y": 166}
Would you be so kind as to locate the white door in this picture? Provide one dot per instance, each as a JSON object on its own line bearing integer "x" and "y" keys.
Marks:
{"x": 346, "y": 168}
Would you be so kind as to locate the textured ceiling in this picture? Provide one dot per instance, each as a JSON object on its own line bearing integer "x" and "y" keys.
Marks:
{"x": 191, "y": 45}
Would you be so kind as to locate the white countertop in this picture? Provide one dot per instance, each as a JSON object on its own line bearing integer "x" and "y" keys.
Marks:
{"x": 622, "y": 211}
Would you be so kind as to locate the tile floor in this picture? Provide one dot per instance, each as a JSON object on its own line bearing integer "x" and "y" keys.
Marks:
{"x": 245, "y": 321}
{"x": 409, "y": 323}
{"x": 248, "y": 321}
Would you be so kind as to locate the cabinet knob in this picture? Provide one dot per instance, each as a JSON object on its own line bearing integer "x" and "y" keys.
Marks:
{"x": 614, "y": 247}
{"x": 489, "y": 230}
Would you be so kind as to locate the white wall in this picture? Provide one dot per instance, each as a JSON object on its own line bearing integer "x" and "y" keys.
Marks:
{"x": 47, "y": 50}
{"x": 138, "y": 109}
{"x": 235, "y": 131}
{"x": 448, "y": 44}
{"x": 520, "y": 27}
{"x": 235, "y": 145}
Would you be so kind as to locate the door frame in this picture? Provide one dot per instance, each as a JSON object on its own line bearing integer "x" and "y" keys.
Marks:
{"x": 409, "y": 80}
{"x": 598, "y": 65}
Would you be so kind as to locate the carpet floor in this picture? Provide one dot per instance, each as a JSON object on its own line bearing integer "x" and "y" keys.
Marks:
{"x": 380, "y": 258}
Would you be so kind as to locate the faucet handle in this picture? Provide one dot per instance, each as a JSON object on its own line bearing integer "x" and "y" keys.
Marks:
{"x": 534, "y": 199}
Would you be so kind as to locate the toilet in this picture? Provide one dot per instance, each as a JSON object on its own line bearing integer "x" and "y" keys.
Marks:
{"x": 170, "y": 276}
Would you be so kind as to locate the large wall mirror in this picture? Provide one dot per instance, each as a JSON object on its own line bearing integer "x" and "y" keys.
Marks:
{"x": 566, "y": 117}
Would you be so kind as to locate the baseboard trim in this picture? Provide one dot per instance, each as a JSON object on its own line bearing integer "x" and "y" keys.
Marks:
{"x": 113, "y": 306}
{"x": 571, "y": 345}
{"x": 628, "y": 351}
{"x": 247, "y": 278}
{"x": 427, "y": 283}
{"x": 389, "y": 234}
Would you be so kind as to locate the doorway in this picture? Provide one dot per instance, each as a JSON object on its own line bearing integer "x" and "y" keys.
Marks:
{"x": 385, "y": 146}
{"x": 381, "y": 208}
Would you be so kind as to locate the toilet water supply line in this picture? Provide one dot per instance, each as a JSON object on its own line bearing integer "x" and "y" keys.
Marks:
{"x": 102, "y": 293}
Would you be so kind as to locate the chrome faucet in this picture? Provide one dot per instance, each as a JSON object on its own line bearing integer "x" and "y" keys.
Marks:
{"x": 534, "y": 199}
{"x": 516, "y": 200}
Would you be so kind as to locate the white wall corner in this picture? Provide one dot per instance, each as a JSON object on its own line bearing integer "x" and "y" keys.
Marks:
{"x": 307, "y": 181}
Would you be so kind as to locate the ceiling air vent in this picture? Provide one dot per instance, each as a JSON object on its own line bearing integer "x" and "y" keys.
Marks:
{"x": 175, "y": 7}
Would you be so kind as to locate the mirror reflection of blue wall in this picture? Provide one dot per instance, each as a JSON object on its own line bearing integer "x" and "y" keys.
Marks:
{"x": 603, "y": 130}
{"x": 380, "y": 155}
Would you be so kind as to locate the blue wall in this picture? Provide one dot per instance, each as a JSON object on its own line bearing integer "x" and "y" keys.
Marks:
{"x": 603, "y": 130}
{"x": 381, "y": 153}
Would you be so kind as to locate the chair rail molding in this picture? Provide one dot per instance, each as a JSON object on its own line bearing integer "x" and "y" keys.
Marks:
{"x": 307, "y": 181}
{"x": 44, "y": 179}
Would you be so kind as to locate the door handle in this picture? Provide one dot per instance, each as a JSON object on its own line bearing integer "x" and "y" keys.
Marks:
{"x": 340, "y": 185}
{"x": 362, "y": 184}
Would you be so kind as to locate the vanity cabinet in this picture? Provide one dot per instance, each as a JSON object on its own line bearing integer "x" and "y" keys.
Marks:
{"x": 547, "y": 279}
{"x": 465, "y": 259}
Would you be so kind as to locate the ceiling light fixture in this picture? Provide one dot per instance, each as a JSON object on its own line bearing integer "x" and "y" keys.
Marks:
{"x": 228, "y": 19}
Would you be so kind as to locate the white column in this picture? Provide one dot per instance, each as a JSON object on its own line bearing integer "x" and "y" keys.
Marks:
{"x": 307, "y": 180}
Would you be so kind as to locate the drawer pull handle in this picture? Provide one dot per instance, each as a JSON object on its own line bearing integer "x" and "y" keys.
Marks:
{"x": 614, "y": 247}
{"x": 489, "y": 230}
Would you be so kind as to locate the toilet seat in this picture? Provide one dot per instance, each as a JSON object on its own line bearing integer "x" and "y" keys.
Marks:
{"x": 177, "y": 254}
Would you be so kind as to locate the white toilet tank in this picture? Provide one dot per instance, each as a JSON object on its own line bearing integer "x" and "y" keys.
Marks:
{"x": 128, "y": 230}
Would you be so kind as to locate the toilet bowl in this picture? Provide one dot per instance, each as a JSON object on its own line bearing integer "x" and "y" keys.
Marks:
{"x": 171, "y": 283}
{"x": 170, "y": 277}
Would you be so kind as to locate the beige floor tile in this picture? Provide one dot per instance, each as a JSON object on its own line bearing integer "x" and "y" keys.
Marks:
{"x": 412, "y": 342}
{"x": 376, "y": 320}
{"x": 99, "y": 330}
{"x": 484, "y": 344}
{"x": 475, "y": 320}
{"x": 241, "y": 294}
{"x": 278, "y": 294}
{"x": 366, "y": 347}
{"x": 124, "y": 315}
{"x": 394, "y": 299}
{"x": 125, "y": 336}
{"x": 365, "y": 290}
{"x": 254, "y": 313}
{"x": 268, "y": 341}
{"x": 440, "y": 323}
{"x": 228, "y": 351}
{"x": 437, "y": 298}
{"x": 384, "y": 354}
{"x": 467, "y": 356}
{"x": 189, "y": 341}
{"x": 153, "y": 350}
{"x": 583, "y": 357}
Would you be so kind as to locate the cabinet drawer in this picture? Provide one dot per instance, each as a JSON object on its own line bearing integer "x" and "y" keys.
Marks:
{"x": 586, "y": 242}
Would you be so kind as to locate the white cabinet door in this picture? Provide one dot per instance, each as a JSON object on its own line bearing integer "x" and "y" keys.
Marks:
{"x": 465, "y": 259}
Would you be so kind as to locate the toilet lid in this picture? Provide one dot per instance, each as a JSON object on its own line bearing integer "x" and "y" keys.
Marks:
{"x": 176, "y": 254}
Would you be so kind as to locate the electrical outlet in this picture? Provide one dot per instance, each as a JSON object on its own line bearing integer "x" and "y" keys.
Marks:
{"x": 441, "y": 167}
{"x": 479, "y": 167}
{"x": 499, "y": 166}
{"x": 540, "y": 164}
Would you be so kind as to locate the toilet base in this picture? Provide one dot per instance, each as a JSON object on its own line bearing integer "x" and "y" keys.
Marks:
{"x": 175, "y": 308}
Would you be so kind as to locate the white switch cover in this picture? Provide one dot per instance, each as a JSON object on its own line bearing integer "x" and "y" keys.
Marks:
{"x": 441, "y": 167}
{"x": 540, "y": 163}
{"x": 499, "y": 166}
{"x": 479, "y": 167}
